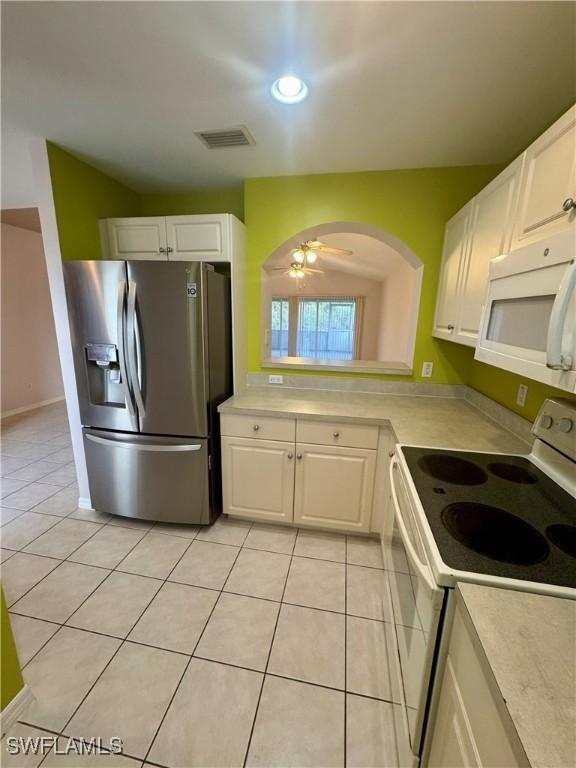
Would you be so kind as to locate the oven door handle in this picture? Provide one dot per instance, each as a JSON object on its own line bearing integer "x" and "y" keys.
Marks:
{"x": 423, "y": 572}
{"x": 554, "y": 357}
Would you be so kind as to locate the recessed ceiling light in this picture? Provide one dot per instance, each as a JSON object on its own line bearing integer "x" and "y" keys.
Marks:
{"x": 289, "y": 89}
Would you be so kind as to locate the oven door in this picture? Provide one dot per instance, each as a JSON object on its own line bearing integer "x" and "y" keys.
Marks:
{"x": 529, "y": 318}
{"x": 417, "y": 603}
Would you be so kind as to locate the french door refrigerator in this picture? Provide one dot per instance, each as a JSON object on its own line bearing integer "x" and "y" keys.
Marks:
{"x": 152, "y": 355}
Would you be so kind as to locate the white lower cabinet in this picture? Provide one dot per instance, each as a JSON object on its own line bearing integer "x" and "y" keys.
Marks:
{"x": 453, "y": 745}
{"x": 334, "y": 487}
{"x": 258, "y": 478}
{"x": 306, "y": 483}
{"x": 472, "y": 728}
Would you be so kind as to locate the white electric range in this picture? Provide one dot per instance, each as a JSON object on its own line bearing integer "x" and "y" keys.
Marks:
{"x": 496, "y": 519}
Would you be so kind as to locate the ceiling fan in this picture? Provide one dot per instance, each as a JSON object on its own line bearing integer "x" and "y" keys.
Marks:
{"x": 307, "y": 253}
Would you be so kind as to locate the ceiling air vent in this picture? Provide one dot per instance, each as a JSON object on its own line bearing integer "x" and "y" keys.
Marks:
{"x": 226, "y": 137}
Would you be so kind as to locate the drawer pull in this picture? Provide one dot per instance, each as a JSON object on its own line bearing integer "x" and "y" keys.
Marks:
{"x": 336, "y": 435}
{"x": 256, "y": 427}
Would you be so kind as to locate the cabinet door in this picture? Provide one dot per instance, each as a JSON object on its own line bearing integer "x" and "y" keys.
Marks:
{"x": 137, "y": 238}
{"x": 455, "y": 242}
{"x": 258, "y": 478}
{"x": 489, "y": 236}
{"x": 198, "y": 238}
{"x": 453, "y": 743}
{"x": 548, "y": 179}
{"x": 334, "y": 487}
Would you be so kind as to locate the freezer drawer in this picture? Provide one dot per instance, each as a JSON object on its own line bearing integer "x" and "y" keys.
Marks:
{"x": 149, "y": 477}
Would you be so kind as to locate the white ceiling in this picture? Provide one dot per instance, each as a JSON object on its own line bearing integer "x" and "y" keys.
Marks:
{"x": 371, "y": 258}
{"x": 392, "y": 85}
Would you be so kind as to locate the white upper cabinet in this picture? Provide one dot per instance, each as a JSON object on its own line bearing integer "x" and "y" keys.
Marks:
{"x": 134, "y": 238}
{"x": 176, "y": 238}
{"x": 489, "y": 235}
{"x": 532, "y": 198}
{"x": 548, "y": 183}
{"x": 198, "y": 238}
{"x": 447, "y": 302}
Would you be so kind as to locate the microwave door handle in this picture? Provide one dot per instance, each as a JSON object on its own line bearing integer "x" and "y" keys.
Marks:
{"x": 554, "y": 357}
{"x": 132, "y": 331}
{"x": 412, "y": 554}
{"x": 121, "y": 354}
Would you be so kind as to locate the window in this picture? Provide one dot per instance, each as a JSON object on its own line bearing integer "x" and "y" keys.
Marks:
{"x": 323, "y": 328}
{"x": 279, "y": 326}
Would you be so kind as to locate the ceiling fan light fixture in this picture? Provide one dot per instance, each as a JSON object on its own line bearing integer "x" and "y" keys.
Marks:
{"x": 296, "y": 270}
{"x": 299, "y": 256}
{"x": 311, "y": 257}
{"x": 289, "y": 89}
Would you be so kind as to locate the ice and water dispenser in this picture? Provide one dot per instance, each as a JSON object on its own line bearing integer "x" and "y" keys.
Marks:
{"x": 104, "y": 376}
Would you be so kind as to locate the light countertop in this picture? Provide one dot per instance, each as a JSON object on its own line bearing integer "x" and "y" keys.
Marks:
{"x": 443, "y": 422}
{"x": 529, "y": 642}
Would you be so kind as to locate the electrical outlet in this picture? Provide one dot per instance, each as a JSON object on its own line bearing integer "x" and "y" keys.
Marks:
{"x": 275, "y": 378}
{"x": 427, "y": 370}
{"x": 521, "y": 396}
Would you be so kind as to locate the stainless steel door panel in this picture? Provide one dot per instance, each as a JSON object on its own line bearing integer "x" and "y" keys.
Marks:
{"x": 96, "y": 293}
{"x": 146, "y": 477}
{"x": 166, "y": 346}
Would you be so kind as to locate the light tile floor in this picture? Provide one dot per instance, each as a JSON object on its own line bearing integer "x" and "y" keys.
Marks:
{"x": 238, "y": 644}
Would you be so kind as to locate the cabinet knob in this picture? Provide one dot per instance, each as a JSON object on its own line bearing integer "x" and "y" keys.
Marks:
{"x": 162, "y": 249}
{"x": 256, "y": 427}
{"x": 336, "y": 434}
{"x": 299, "y": 456}
{"x": 290, "y": 455}
{"x": 170, "y": 249}
{"x": 568, "y": 204}
{"x": 390, "y": 454}
{"x": 450, "y": 327}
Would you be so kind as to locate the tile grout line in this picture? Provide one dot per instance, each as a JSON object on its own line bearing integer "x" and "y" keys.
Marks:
{"x": 249, "y": 744}
{"x": 187, "y": 665}
{"x": 50, "y": 557}
{"x": 64, "y": 624}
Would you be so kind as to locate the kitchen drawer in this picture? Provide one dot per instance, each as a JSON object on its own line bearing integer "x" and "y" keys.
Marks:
{"x": 262, "y": 427}
{"x": 336, "y": 433}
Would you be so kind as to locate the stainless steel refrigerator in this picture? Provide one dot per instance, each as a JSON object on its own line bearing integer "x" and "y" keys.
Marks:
{"x": 152, "y": 354}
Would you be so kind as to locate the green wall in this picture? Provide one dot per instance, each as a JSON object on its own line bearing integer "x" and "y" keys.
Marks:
{"x": 225, "y": 200}
{"x": 503, "y": 387}
{"x": 11, "y": 681}
{"x": 82, "y": 195}
{"x": 413, "y": 205}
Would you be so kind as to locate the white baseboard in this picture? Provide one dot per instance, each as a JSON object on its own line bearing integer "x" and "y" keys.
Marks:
{"x": 85, "y": 503}
{"x": 16, "y": 709}
{"x": 31, "y": 407}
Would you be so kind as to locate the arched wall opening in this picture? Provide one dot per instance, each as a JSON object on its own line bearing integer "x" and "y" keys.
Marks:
{"x": 355, "y": 313}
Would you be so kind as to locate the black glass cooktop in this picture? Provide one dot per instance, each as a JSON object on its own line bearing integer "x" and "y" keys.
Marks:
{"x": 496, "y": 514}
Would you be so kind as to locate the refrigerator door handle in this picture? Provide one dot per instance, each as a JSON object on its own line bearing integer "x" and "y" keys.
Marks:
{"x": 144, "y": 446}
{"x": 133, "y": 340}
{"x": 121, "y": 356}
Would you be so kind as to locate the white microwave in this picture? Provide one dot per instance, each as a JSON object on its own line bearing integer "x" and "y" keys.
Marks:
{"x": 529, "y": 317}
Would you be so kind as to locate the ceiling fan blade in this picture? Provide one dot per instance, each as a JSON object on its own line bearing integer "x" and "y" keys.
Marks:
{"x": 317, "y": 271}
{"x": 336, "y": 251}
